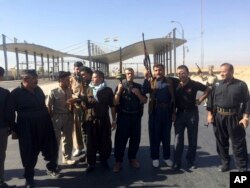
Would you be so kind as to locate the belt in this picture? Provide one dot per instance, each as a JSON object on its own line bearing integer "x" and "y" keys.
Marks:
{"x": 186, "y": 110}
{"x": 162, "y": 104}
{"x": 130, "y": 112}
{"x": 227, "y": 111}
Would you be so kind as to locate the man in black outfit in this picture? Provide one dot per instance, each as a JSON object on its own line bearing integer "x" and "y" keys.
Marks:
{"x": 228, "y": 110}
{"x": 4, "y": 130}
{"x": 187, "y": 116}
{"x": 129, "y": 101}
{"x": 33, "y": 126}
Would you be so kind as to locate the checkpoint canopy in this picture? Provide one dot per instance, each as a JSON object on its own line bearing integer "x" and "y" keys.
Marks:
{"x": 136, "y": 49}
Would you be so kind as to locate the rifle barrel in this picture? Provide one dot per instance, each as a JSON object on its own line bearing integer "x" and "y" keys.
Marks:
{"x": 146, "y": 62}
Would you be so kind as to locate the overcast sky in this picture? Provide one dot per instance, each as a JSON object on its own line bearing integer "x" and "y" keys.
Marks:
{"x": 66, "y": 25}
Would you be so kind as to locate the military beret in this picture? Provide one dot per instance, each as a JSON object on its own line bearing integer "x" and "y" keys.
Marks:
{"x": 63, "y": 74}
{"x": 29, "y": 72}
{"x": 86, "y": 69}
{"x": 78, "y": 64}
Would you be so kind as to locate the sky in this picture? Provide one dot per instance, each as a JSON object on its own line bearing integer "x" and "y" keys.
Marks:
{"x": 67, "y": 25}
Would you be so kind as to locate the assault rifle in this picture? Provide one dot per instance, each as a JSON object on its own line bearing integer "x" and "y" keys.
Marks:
{"x": 120, "y": 76}
{"x": 146, "y": 60}
{"x": 199, "y": 69}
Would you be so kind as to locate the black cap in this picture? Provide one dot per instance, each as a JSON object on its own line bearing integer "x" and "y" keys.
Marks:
{"x": 29, "y": 72}
{"x": 63, "y": 74}
{"x": 87, "y": 70}
{"x": 78, "y": 64}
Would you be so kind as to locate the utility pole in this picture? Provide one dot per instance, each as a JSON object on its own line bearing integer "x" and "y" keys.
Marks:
{"x": 5, "y": 57}
{"x": 202, "y": 37}
{"x": 90, "y": 57}
{"x": 182, "y": 33}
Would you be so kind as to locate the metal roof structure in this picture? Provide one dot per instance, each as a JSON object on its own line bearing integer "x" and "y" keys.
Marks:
{"x": 31, "y": 48}
{"x": 136, "y": 49}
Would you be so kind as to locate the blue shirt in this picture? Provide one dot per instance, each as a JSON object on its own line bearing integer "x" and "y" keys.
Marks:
{"x": 162, "y": 93}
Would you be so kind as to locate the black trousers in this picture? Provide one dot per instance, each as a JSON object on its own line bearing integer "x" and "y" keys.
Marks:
{"x": 226, "y": 127}
{"x": 35, "y": 135}
{"x": 189, "y": 120}
{"x": 128, "y": 127}
{"x": 98, "y": 139}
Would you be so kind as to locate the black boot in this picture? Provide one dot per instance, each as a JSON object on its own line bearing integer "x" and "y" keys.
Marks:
{"x": 89, "y": 169}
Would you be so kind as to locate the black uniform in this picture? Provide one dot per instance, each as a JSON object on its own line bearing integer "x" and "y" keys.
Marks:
{"x": 228, "y": 101}
{"x": 187, "y": 116}
{"x": 4, "y": 94}
{"x": 33, "y": 127}
{"x": 129, "y": 113}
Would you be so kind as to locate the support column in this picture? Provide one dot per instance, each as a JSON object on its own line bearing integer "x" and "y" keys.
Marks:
{"x": 35, "y": 64}
{"x": 42, "y": 65}
{"x": 48, "y": 66}
{"x": 163, "y": 59}
{"x": 167, "y": 67}
{"x": 90, "y": 57}
{"x": 137, "y": 73}
{"x": 5, "y": 57}
{"x": 53, "y": 67}
{"x": 68, "y": 65}
{"x": 170, "y": 61}
{"x": 62, "y": 61}
{"x": 99, "y": 66}
{"x": 92, "y": 51}
{"x": 174, "y": 48}
{"x": 105, "y": 69}
{"x": 27, "y": 59}
{"x": 108, "y": 68}
{"x": 17, "y": 64}
{"x": 57, "y": 65}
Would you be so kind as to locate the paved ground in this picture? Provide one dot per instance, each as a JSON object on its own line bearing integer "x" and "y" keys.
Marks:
{"x": 73, "y": 177}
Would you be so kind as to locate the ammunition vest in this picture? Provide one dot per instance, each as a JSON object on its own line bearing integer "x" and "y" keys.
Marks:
{"x": 129, "y": 102}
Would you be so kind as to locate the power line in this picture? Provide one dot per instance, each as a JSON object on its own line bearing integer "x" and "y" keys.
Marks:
{"x": 79, "y": 43}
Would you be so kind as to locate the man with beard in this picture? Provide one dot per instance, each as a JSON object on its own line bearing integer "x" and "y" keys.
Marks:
{"x": 98, "y": 126}
{"x": 76, "y": 84}
{"x": 33, "y": 127}
{"x": 161, "y": 113}
{"x": 129, "y": 101}
{"x": 187, "y": 116}
{"x": 86, "y": 74}
{"x": 228, "y": 110}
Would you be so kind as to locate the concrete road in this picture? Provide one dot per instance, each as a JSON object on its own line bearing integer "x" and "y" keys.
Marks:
{"x": 205, "y": 176}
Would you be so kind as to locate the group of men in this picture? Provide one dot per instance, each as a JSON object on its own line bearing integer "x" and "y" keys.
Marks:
{"x": 176, "y": 100}
{"x": 80, "y": 106}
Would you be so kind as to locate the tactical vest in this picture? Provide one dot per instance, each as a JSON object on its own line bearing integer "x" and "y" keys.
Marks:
{"x": 129, "y": 102}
